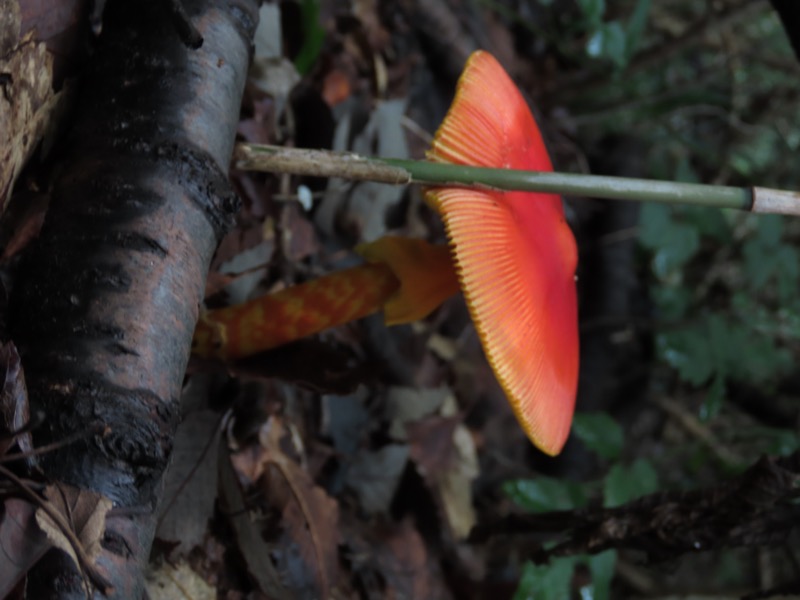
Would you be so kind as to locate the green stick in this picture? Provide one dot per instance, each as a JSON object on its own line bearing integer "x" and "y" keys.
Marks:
{"x": 321, "y": 163}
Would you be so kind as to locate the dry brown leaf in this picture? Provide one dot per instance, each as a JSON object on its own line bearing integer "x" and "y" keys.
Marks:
{"x": 405, "y": 565}
{"x": 254, "y": 549}
{"x": 405, "y": 405}
{"x": 360, "y": 210}
{"x": 306, "y": 545}
{"x": 444, "y": 453}
{"x": 178, "y": 582}
{"x": 22, "y": 222}
{"x": 311, "y": 516}
{"x": 431, "y": 445}
{"x": 455, "y": 487}
{"x": 249, "y": 463}
{"x": 299, "y": 239}
{"x": 14, "y": 410}
{"x": 336, "y": 87}
{"x": 83, "y": 511}
{"x": 27, "y": 102}
{"x": 374, "y": 476}
{"x": 191, "y": 483}
{"x": 22, "y": 544}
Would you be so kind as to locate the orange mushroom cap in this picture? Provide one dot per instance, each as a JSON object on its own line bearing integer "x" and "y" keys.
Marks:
{"x": 514, "y": 252}
{"x": 425, "y": 272}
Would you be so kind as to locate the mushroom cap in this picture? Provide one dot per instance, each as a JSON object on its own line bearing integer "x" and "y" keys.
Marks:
{"x": 425, "y": 273}
{"x": 515, "y": 254}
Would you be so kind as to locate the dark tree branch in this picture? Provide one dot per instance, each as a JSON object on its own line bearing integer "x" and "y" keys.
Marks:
{"x": 106, "y": 301}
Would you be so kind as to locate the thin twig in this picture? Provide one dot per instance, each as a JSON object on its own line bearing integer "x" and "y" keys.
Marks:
{"x": 57, "y": 445}
{"x": 693, "y": 425}
{"x": 86, "y": 565}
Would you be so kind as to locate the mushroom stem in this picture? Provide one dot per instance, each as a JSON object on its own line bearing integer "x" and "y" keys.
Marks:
{"x": 322, "y": 163}
{"x": 405, "y": 278}
{"x": 293, "y": 313}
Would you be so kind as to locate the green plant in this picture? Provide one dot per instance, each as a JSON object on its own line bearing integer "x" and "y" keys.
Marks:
{"x": 736, "y": 321}
{"x": 613, "y": 41}
{"x": 623, "y": 482}
{"x": 313, "y": 36}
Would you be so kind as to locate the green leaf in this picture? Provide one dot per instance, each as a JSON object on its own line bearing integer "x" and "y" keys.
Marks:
{"x": 687, "y": 351}
{"x": 608, "y": 42}
{"x": 684, "y": 171}
{"x": 593, "y": 11}
{"x": 623, "y": 484}
{"x": 635, "y": 28}
{"x": 673, "y": 242}
{"x": 546, "y": 582}
{"x": 783, "y": 442}
{"x": 600, "y": 433}
{"x": 715, "y": 397}
{"x": 673, "y": 301}
{"x": 545, "y": 494}
{"x": 767, "y": 259}
{"x": 313, "y": 36}
{"x": 709, "y": 222}
{"x": 601, "y": 566}
{"x": 652, "y": 222}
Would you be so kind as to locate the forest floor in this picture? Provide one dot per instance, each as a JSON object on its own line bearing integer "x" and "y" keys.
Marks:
{"x": 375, "y": 462}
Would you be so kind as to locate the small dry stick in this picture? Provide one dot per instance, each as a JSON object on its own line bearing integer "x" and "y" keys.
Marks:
{"x": 346, "y": 165}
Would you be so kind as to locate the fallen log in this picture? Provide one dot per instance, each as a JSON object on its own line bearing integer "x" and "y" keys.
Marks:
{"x": 106, "y": 300}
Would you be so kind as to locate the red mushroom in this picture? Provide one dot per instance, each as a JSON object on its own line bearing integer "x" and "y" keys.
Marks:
{"x": 515, "y": 260}
{"x": 514, "y": 252}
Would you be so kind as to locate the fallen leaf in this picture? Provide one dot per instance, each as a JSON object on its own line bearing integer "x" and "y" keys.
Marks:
{"x": 191, "y": 482}
{"x": 455, "y": 486}
{"x": 22, "y": 222}
{"x": 247, "y": 526}
{"x": 431, "y": 445}
{"x": 299, "y": 239}
{"x": 239, "y": 240}
{"x": 359, "y": 211}
{"x": 374, "y": 476}
{"x": 443, "y": 451}
{"x": 303, "y": 544}
{"x": 404, "y": 563}
{"x": 405, "y": 405}
{"x": 83, "y": 511}
{"x": 275, "y": 77}
{"x": 14, "y": 409}
{"x": 22, "y": 543}
{"x": 177, "y": 582}
{"x": 27, "y": 103}
{"x": 249, "y": 267}
{"x": 311, "y": 516}
{"x": 336, "y": 87}
{"x": 345, "y": 420}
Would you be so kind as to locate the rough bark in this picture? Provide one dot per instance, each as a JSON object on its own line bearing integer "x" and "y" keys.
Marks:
{"x": 106, "y": 301}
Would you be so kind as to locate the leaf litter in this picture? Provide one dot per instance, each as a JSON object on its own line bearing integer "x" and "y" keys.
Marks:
{"x": 368, "y": 478}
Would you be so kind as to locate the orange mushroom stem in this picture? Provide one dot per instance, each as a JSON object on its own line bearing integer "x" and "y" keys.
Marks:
{"x": 405, "y": 278}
